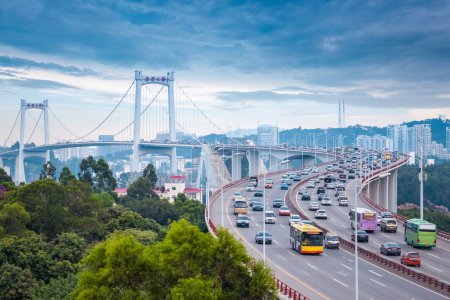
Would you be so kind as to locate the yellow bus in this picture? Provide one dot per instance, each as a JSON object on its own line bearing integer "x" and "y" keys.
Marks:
{"x": 306, "y": 238}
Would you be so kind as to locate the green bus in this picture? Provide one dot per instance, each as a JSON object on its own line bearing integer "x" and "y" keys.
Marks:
{"x": 420, "y": 233}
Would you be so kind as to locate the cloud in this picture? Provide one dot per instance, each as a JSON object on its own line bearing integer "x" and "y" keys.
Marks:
{"x": 22, "y": 63}
{"x": 35, "y": 84}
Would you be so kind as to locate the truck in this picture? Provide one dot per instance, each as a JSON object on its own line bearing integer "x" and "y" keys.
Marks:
{"x": 254, "y": 180}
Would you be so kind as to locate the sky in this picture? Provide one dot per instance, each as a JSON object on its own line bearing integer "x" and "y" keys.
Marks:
{"x": 243, "y": 63}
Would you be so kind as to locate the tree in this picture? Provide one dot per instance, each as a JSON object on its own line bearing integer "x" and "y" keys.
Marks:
{"x": 14, "y": 219}
{"x": 66, "y": 176}
{"x": 57, "y": 289}
{"x": 193, "y": 289}
{"x": 104, "y": 179}
{"x": 162, "y": 211}
{"x": 140, "y": 189}
{"x": 4, "y": 177}
{"x": 48, "y": 171}
{"x": 150, "y": 173}
{"x": 87, "y": 170}
{"x": 16, "y": 283}
{"x": 104, "y": 199}
{"x": 191, "y": 210}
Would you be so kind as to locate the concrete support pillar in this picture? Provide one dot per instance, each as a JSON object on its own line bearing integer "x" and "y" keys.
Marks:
{"x": 376, "y": 191}
{"x": 392, "y": 183}
{"x": 46, "y": 130}
{"x": 253, "y": 162}
{"x": 20, "y": 168}
{"x": 137, "y": 122}
{"x": 172, "y": 129}
{"x": 236, "y": 165}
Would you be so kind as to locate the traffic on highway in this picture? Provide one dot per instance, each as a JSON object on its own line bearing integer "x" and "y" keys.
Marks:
{"x": 311, "y": 260}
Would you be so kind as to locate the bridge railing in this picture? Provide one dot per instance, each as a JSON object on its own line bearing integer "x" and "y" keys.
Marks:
{"x": 440, "y": 233}
{"x": 282, "y": 287}
{"x": 415, "y": 275}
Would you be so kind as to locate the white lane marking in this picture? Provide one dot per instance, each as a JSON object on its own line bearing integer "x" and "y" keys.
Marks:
{"x": 252, "y": 218}
{"x": 324, "y": 254}
{"x": 343, "y": 226}
{"x": 331, "y": 219}
{"x": 377, "y": 282}
{"x": 346, "y": 267}
{"x": 256, "y": 224}
{"x": 435, "y": 256}
{"x": 377, "y": 244}
{"x": 291, "y": 253}
{"x": 348, "y": 259}
{"x": 375, "y": 273}
{"x": 340, "y": 282}
{"x": 312, "y": 266}
{"x": 282, "y": 225}
{"x": 283, "y": 258}
{"x": 434, "y": 268}
{"x": 275, "y": 242}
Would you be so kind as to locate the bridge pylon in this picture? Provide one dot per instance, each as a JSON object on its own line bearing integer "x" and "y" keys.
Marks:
{"x": 19, "y": 175}
{"x": 141, "y": 80}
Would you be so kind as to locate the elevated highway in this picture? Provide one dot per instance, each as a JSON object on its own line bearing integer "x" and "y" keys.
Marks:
{"x": 330, "y": 275}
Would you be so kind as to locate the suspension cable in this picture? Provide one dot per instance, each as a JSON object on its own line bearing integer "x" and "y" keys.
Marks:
{"x": 14, "y": 125}
{"x": 102, "y": 122}
{"x": 145, "y": 109}
{"x": 62, "y": 125}
{"x": 35, "y": 126}
{"x": 204, "y": 115}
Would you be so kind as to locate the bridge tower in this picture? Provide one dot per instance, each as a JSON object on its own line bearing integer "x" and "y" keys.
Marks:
{"x": 20, "y": 169}
{"x": 141, "y": 80}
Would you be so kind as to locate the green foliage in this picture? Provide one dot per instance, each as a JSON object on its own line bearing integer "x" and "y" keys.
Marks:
{"x": 141, "y": 189}
{"x": 194, "y": 289}
{"x": 128, "y": 219}
{"x": 55, "y": 208}
{"x": 441, "y": 220}
{"x": 97, "y": 174}
{"x": 48, "y": 171}
{"x": 191, "y": 210}
{"x": 66, "y": 176}
{"x": 5, "y": 178}
{"x": 150, "y": 174}
{"x": 104, "y": 199}
{"x": 16, "y": 283}
{"x": 162, "y": 211}
{"x": 435, "y": 188}
{"x": 57, "y": 289}
{"x": 14, "y": 219}
{"x": 68, "y": 246}
{"x": 187, "y": 264}
{"x": 115, "y": 269}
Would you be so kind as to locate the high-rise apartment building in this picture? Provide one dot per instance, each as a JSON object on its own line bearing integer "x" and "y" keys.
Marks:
{"x": 267, "y": 135}
{"x": 399, "y": 136}
{"x": 421, "y": 138}
{"x": 376, "y": 142}
{"x": 447, "y": 139}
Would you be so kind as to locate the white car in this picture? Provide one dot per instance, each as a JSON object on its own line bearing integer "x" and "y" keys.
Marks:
{"x": 320, "y": 214}
{"x": 315, "y": 170}
{"x": 326, "y": 201}
{"x": 294, "y": 219}
{"x": 314, "y": 205}
{"x": 270, "y": 217}
{"x": 311, "y": 184}
{"x": 329, "y": 167}
{"x": 250, "y": 188}
{"x": 331, "y": 186}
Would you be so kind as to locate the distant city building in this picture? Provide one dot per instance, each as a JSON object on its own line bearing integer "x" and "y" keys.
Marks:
{"x": 180, "y": 136}
{"x": 177, "y": 185}
{"x": 376, "y": 142}
{"x": 267, "y": 135}
{"x": 447, "y": 139}
{"x": 421, "y": 137}
{"x": 399, "y": 136}
{"x": 438, "y": 150}
{"x": 105, "y": 150}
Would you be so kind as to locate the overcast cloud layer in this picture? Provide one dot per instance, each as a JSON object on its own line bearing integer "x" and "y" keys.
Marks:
{"x": 285, "y": 63}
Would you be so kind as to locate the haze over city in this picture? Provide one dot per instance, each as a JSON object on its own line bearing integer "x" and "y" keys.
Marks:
{"x": 243, "y": 63}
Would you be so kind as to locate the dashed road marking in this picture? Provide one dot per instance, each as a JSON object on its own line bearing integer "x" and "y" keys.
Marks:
{"x": 312, "y": 266}
{"x": 346, "y": 267}
{"x": 340, "y": 282}
{"x": 275, "y": 242}
{"x": 434, "y": 268}
{"x": 435, "y": 256}
{"x": 375, "y": 273}
{"x": 377, "y": 282}
{"x": 282, "y": 225}
{"x": 291, "y": 253}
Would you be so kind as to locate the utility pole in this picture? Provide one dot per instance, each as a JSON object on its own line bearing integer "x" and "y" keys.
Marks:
{"x": 420, "y": 150}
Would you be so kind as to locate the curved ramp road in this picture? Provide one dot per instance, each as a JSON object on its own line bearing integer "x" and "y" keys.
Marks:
{"x": 326, "y": 276}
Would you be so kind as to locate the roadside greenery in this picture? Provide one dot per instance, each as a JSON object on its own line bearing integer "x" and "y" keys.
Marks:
{"x": 63, "y": 238}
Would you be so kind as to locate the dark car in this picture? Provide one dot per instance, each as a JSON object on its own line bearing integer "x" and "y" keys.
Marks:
{"x": 301, "y": 191}
{"x": 320, "y": 190}
{"x": 362, "y": 236}
{"x": 306, "y": 197}
{"x": 258, "y": 193}
{"x": 386, "y": 214}
{"x": 351, "y": 176}
{"x": 284, "y": 186}
{"x": 243, "y": 221}
{"x": 321, "y": 197}
{"x": 257, "y": 207}
{"x": 253, "y": 201}
{"x": 277, "y": 203}
{"x": 390, "y": 248}
{"x": 260, "y": 237}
